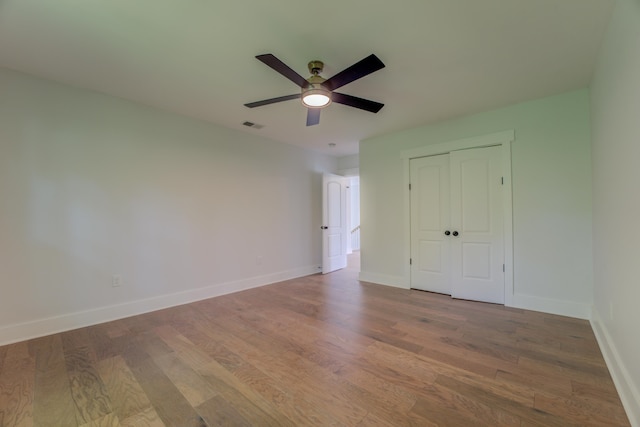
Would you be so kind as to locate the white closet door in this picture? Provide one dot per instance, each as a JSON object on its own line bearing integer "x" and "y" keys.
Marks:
{"x": 430, "y": 217}
{"x": 477, "y": 219}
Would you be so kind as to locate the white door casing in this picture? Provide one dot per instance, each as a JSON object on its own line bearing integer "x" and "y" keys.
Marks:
{"x": 430, "y": 218}
{"x": 334, "y": 223}
{"x": 477, "y": 219}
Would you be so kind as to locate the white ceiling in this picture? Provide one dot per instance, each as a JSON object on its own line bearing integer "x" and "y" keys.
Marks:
{"x": 444, "y": 58}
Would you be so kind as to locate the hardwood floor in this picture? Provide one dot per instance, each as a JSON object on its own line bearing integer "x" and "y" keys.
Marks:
{"x": 315, "y": 351}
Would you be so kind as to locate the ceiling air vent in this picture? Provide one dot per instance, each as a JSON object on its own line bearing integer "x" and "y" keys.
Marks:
{"x": 253, "y": 125}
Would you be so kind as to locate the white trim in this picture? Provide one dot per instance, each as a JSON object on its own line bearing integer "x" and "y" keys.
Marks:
{"x": 503, "y": 139}
{"x": 507, "y": 201}
{"x": 383, "y": 279}
{"x": 627, "y": 390}
{"x": 552, "y": 306}
{"x": 41, "y": 327}
{"x": 407, "y": 220}
{"x": 498, "y": 138}
{"x": 349, "y": 172}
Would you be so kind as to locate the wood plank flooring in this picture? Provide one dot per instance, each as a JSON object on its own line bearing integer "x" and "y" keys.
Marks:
{"x": 316, "y": 351}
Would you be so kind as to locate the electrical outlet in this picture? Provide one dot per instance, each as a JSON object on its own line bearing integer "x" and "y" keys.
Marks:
{"x": 116, "y": 280}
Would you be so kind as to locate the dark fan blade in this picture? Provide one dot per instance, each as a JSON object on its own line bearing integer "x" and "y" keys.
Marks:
{"x": 283, "y": 69}
{"x": 272, "y": 100}
{"x": 358, "y": 70}
{"x": 313, "y": 116}
{"x": 354, "y": 101}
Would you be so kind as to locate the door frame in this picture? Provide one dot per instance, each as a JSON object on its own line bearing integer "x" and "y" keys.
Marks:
{"x": 503, "y": 139}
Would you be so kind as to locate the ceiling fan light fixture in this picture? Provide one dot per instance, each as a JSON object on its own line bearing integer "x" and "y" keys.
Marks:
{"x": 315, "y": 96}
{"x": 318, "y": 92}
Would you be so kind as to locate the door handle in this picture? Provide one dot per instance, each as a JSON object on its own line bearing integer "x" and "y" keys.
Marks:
{"x": 446, "y": 233}
{"x": 455, "y": 233}
{"x": 324, "y": 227}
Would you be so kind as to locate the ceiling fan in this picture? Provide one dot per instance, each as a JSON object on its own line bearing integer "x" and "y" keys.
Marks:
{"x": 318, "y": 92}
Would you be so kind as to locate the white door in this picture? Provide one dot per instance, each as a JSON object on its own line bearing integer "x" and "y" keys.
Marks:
{"x": 477, "y": 218}
{"x": 334, "y": 223}
{"x": 457, "y": 238}
{"x": 430, "y": 219}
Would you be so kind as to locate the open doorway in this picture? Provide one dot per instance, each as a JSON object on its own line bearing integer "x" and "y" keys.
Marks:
{"x": 353, "y": 216}
{"x": 340, "y": 222}
{"x": 348, "y": 168}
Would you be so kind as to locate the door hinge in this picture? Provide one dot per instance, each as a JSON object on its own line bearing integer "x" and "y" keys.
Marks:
{"x": 409, "y": 186}
{"x": 503, "y": 268}
{"x": 502, "y": 180}
{"x": 410, "y": 261}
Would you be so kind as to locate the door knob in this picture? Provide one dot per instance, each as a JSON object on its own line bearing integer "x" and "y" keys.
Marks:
{"x": 446, "y": 233}
{"x": 324, "y": 227}
{"x": 455, "y": 233}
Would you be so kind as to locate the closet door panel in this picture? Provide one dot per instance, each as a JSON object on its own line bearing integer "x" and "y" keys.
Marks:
{"x": 430, "y": 217}
{"x": 477, "y": 251}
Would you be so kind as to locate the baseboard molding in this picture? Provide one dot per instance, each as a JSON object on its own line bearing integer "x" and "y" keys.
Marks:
{"x": 552, "y": 306}
{"x": 51, "y": 325}
{"x": 383, "y": 279}
{"x": 628, "y": 391}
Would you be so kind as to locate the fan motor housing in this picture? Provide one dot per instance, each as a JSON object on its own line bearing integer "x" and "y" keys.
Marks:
{"x": 316, "y": 67}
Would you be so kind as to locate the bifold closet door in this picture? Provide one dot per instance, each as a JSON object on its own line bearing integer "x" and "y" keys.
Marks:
{"x": 457, "y": 243}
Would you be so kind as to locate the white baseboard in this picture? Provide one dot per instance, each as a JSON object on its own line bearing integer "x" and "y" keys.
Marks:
{"x": 628, "y": 391}
{"x": 384, "y": 279}
{"x": 552, "y": 306}
{"x": 51, "y": 325}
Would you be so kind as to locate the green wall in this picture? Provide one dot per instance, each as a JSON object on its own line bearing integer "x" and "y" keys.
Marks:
{"x": 94, "y": 186}
{"x": 551, "y": 164}
{"x": 616, "y": 205}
